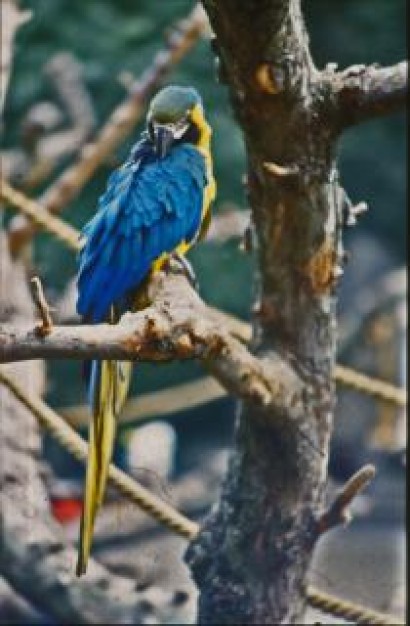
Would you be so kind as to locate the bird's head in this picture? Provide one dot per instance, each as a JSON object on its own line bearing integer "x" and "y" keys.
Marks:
{"x": 173, "y": 116}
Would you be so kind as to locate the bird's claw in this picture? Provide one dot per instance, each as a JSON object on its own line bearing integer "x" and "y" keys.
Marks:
{"x": 179, "y": 264}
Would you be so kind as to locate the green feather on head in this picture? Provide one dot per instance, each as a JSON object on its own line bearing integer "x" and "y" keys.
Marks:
{"x": 173, "y": 103}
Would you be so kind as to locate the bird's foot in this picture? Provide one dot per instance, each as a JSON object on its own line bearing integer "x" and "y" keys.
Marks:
{"x": 178, "y": 264}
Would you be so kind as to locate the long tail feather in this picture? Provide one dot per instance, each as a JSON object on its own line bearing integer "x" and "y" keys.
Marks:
{"x": 108, "y": 387}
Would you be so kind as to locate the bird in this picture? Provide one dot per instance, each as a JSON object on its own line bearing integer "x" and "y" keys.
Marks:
{"x": 156, "y": 206}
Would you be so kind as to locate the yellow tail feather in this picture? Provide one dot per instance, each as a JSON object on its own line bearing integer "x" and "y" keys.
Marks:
{"x": 110, "y": 392}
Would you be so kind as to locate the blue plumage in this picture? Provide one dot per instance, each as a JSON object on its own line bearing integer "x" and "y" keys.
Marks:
{"x": 149, "y": 207}
{"x": 158, "y": 200}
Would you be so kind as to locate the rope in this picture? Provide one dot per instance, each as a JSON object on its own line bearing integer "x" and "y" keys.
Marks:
{"x": 160, "y": 510}
{"x": 347, "y": 610}
{"x": 343, "y": 375}
{"x": 69, "y": 439}
{"x": 173, "y": 400}
{"x": 372, "y": 386}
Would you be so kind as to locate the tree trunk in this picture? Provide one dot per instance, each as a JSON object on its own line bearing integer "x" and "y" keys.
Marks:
{"x": 251, "y": 558}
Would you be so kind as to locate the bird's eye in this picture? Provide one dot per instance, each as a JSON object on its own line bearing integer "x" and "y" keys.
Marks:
{"x": 180, "y": 127}
{"x": 183, "y": 122}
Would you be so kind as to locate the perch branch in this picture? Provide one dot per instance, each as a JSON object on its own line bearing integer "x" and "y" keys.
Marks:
{"x": 338, "y": 512}
{"x": 364, "y": 92}
{"x": 237, "y": 328}
{"x": 176, "y": 326}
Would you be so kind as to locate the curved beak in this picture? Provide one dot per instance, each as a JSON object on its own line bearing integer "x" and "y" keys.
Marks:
{"x": 163, "y": 139}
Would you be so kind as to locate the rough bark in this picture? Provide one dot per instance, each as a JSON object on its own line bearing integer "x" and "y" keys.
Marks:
{"x": 251, "y": 558}
{"x": 364, "y": 92}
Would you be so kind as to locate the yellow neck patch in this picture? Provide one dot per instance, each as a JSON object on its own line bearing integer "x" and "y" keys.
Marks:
{"x": 205, "y": 131}
{"x": 204, "y": 146}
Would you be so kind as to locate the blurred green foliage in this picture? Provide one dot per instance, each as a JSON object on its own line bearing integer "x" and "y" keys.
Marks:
{"x": 109, "y": 36}
{"x": 373, "y": 155}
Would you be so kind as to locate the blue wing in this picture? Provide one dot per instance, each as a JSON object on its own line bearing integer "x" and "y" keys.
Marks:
{"x": 149, "y": 207}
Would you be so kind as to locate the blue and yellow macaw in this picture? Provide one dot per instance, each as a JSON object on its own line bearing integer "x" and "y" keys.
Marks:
{"x": 156, "y": 205}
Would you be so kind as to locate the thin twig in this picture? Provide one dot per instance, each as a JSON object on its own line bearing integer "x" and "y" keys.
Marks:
{"x": 338, "y": 512}
{"x": 45, "y": 326}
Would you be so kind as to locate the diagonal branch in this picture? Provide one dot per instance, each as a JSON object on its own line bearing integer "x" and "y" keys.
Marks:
{"x": 39, "y": 218}
{"x": 178, "y": 325}
{"x": 364, "y": 92}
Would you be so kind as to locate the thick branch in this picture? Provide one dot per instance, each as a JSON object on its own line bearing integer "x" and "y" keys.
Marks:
{"x": 251, "y": 556}
{"x": 177, "y": 325}
{"x": 365, "y": 92}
